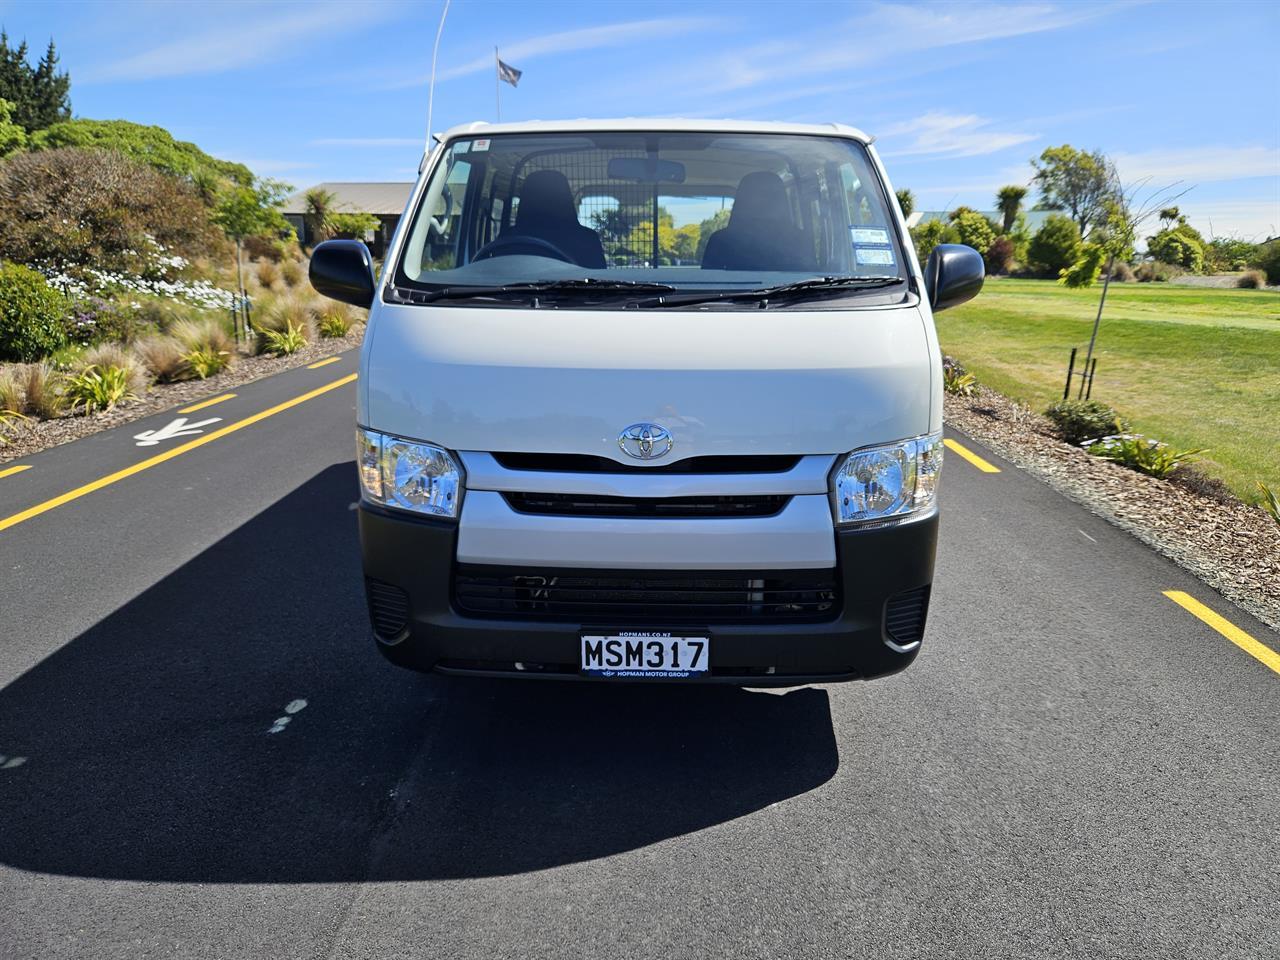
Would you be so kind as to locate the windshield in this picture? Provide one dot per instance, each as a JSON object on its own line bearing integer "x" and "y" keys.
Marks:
{"x": 696, "y": 213}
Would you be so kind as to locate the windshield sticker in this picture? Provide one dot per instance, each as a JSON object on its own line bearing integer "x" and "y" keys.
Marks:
{"x": 874, "y": 256}
{"x": 479, "y": 146}
{"x": 869, "y": 235}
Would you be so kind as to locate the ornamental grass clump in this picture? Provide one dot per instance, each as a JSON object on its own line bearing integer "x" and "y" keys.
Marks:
{"x": 10, "y": 390}
{"x": 42, "y": 391}
{"x": 1270, "y": 501}
{"x": 117, "y": 356}
{"x": 282, "y": 342}
{"x": 956, "y": 380}
{"x": 1252, "y": 280}
{"x": 1140, "y": 453}
{"x": 164, "y": 357}
{"x": 98, "y": 388}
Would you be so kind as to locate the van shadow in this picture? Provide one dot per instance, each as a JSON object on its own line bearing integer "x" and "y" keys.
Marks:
{"x": 149, "y": 755}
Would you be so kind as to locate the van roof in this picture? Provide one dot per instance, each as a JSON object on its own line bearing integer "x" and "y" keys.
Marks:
{"x": 649, "y": 124}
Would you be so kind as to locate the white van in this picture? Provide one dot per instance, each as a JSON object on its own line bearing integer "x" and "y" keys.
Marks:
{"x": 650, "y": 399}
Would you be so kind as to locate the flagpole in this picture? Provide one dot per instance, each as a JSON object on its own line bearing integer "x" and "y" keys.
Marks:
{"x": 497, "y": 83}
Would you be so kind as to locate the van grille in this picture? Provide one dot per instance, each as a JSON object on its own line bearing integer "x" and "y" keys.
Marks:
{"x": 676, "y": 597}
{"x": 904, "y": 616}
{"x": 587, "y": 463}
{"x": 589, "y": 505}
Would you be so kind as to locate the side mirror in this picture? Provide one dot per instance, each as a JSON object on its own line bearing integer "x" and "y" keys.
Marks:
{"x": 952, "y": 276}
{"x": 343, "y": 270}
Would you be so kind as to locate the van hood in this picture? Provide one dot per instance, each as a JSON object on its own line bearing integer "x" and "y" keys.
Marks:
{"x": 721, "y": 382}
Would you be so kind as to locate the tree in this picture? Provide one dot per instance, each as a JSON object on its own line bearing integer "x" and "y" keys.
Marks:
{"x": 319, "y": 209}
{"x": 1056, "y": 245}
{"x": 249, "y": 212}
{"x": 1088, "y": 264}
{"x": 1182, "y": 246}
{"x": 717, "y": 221}
{"x": 40, "y": 96}
{"x": 1009, "y": 202}
{"x": 926, "y": 236}
{"x": 1077, "y": 182}
{"x": 12, "y": 136}
{"x": 1170, "y": 215}
{"x": 355, "y": 226}
{"x": 906, "y": 200}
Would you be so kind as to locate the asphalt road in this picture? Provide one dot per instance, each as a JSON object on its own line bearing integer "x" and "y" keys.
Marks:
{"x": 1075, "y": 766}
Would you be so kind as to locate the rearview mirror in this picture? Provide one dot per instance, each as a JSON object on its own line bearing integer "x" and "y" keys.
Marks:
{"x": 953, "y": 275}
{"x": 646, "y": 170}
{"x": 343, "y": 270}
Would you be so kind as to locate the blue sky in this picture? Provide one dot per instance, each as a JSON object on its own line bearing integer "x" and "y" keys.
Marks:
{"x": 960, "y": 96}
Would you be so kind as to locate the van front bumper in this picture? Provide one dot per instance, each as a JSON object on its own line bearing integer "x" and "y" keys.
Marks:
{"x": 883, "y": 574}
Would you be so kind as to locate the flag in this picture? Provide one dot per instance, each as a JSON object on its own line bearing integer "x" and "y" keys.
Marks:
{"x": 509, "y": 73}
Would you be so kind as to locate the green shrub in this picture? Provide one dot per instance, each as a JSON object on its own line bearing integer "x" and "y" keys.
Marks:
{"x": 1270, "y": 501}
{"x": 285, "y": 314}
{"x": 283, "y": 342}
{"x": 1182, "y": 246}
{"x": 31, "y": 315}
{"x": 926, "y": 236}
{"x": 972, "y": 229}
{"x": 1143, "y": 454}
{"x": 335, "y": 323}
{"x": 1252, "y": 280}
{"x": 1056, "y": 245}
{"x": 98, "y": 388}
{"x": 956, "y": 380}
{"x": 1081, "y": 420}
{"x": 205, "y": 363}
{"x": 1267, "y": 260}
{"x": 1084, "y": 272}
{"x": 1226, "y": 254}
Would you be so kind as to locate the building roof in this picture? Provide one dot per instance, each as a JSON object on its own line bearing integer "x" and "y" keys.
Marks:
{"x": 384, "y": 199}
{"x": 1035, "y": 218}
{"x": 649, "y": 124}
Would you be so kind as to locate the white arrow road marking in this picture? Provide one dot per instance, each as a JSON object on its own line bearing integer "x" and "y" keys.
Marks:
{"x": 290, "y": 708}
{"x": 8, "y": 763}
{"x": 178, "y": 428}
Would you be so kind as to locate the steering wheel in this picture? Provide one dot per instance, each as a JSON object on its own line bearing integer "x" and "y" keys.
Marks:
{"x": 514, "y": 243}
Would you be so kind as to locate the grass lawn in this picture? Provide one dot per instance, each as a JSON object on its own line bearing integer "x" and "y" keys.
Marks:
{"x": 1192, "y": 366}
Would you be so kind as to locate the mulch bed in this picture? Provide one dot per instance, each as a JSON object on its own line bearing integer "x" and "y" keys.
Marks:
{"x": 1230, "y": 545}
{"x": 26, "y": 437}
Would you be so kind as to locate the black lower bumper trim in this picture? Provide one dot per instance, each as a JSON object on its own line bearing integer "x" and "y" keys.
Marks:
{"x": 873, "y": 566}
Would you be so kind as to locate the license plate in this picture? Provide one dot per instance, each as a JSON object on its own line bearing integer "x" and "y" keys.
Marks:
{"x": 644, "y": 654}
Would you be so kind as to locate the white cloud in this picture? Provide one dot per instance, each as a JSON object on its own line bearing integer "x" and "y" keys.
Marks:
{"x": 585, "y": 38}
{"x": 948, "y": 135}
{"x": 889, "y": 31}
{"x": 1199, "y": 164}
{"x": 238, "y": 40}
{"x": 1255, "y": 219}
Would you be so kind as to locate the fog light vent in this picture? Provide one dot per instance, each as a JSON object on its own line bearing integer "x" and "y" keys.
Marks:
{"x": 904, "y": 616}
{"x": 388, "y": 609}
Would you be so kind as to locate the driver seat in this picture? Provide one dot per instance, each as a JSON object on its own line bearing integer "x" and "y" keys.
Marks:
{"x": 547, "y": 212}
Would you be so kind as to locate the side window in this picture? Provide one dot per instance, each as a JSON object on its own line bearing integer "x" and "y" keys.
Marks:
{"x": 444, "y": 220}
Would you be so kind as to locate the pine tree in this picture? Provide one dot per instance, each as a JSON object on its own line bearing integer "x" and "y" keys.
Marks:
{"x": 40, "y": 96}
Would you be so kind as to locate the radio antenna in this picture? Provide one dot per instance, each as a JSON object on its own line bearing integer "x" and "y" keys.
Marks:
{"x": 435, "y": 52}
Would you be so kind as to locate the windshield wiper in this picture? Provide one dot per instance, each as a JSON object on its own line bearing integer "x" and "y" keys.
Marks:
{"x": 588, "y": 285}
{"x": 781, "y": 291}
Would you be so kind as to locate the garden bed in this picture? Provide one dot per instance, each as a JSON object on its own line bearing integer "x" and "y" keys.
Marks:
{"x": 26, "y": 437}
{"x": 1232, "y": 546}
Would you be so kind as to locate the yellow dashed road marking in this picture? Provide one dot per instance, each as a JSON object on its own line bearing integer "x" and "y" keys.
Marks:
{"x": 206, "y": 403}
{"x": 10, "y": 471}
{"x": 321, "y": 363}
{"x": 39, "y": 508}
{"x": 972, "y": 457}
{"x": 1255, "y": 648}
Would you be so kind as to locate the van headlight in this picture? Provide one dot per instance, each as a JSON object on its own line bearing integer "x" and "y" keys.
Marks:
{"x": 882, "y": 484}
{"x": 408, "y": 474}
